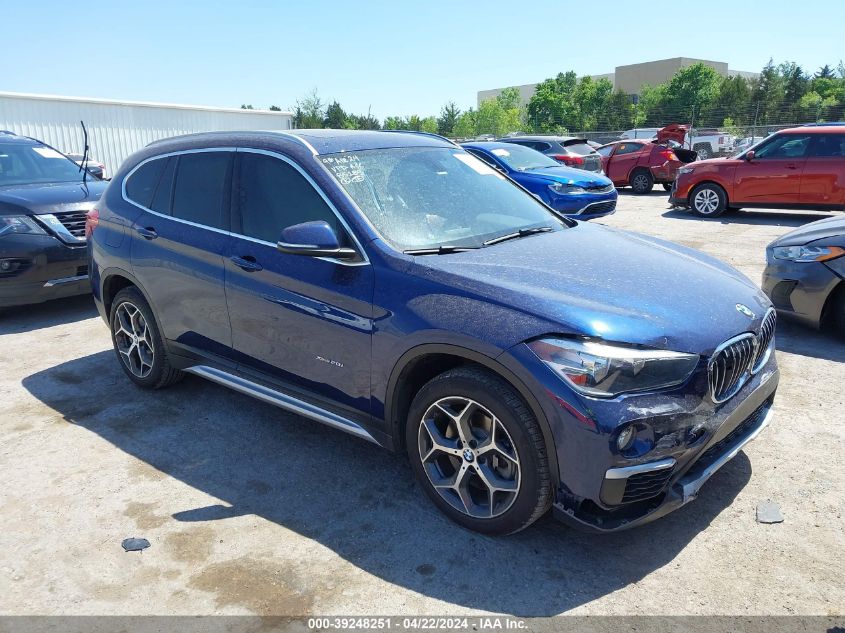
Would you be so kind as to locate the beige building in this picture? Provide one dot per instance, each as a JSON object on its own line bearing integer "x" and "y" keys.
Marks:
{"x": 632, "y": 77}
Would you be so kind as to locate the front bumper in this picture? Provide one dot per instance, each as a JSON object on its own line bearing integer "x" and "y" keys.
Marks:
{"x": 673, "y": 481}
{"x": 45, "y": 269}
{"x": 799, "y": 290}
{"x": 586, "y": 206}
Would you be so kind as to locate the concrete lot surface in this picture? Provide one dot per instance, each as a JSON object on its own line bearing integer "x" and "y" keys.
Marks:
{"x": 253, "y": 510}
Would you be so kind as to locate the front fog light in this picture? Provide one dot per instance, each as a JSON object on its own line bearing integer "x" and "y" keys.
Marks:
{"x": 625, "y": 438}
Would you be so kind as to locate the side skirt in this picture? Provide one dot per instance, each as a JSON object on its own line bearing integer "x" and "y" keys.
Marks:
{"x": 281, "y": 400}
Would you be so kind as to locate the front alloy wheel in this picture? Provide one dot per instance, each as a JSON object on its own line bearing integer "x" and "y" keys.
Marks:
{"x": 708, "y": 200}
{"x": 478, "y": 452}
{"x": 469, "y": 457}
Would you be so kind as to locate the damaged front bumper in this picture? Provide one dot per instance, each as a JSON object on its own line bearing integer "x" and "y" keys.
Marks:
{"x": 659, "y": 487}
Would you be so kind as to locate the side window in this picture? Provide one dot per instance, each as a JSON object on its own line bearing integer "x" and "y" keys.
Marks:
{"x": 200, "y": 190}
{"x": 272, "y": 195}
{"x": 141, "y": 185}
{"x": 829, "y": 146}
{"x": 627, "y": 148}
{"x": 542, "y": 146}
{"x": 784, "y": 146}
{"x": 483, "y": 157}
{"x": 607, "y": 150}
{"x": 164, "y": 191}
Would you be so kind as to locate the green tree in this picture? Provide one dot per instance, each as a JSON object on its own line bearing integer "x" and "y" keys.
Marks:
{"x": 396, "y": 123}
{"x": 449, "y": 114}
{"x": 465, "y": 127}
{"x": 552, "y": 103}
{"x": 509, "y": 99}
{"x": 690, "y": 92}
{"x": 618, "y": 112}
{"x": 275, "y": 108}
{"x": 309, "y": 112}
{"x": 825, "y": 72}
{"x": 335, "y": 116}
{"x": 767, "y": 94}
{"x": 246, "y": 107}
{"x": 429, "y": 124}
{"x": 795, "y": 86}
{"x": 733, "y": 100}
{"x": 648, "y": 109}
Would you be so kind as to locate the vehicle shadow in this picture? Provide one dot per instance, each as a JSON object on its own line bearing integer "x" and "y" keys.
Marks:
{"x": 29, "y": 318}
{"x": 795, "y": 338}
{"x": 755, "y": 217}
{"x": 357, "y": 499}
{"x": 657, "y": 192}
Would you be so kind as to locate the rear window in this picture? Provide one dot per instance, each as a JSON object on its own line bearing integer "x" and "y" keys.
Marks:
{"x": 578, "y": 147}
{"x": 200, "y": 191}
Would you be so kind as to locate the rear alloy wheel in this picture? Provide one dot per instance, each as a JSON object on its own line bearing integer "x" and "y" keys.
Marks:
{"x": 478, "y": 452}
{"x": 138, "y": 343}
{"x": 708, "y": 200}
{"x": 642, "y": 181}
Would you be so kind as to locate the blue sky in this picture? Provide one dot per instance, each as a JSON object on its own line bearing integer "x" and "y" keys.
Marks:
{"x": 397, "y": 57}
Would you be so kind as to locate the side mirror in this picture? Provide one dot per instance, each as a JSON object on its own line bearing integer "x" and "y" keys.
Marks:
{"x": 749, "y": 155}
{"x": 315, "y": 239}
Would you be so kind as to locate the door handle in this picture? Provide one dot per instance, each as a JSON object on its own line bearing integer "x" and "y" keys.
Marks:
{"x": 148, "y": 233}
{"x": 247, "y": 263}
{"x": 791, "y": 166}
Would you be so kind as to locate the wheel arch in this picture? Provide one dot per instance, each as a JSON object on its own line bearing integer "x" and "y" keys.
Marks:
{"x": 113, "y": 281}
{"x": 709, "y": 181}
{"x": 422, "y": 363}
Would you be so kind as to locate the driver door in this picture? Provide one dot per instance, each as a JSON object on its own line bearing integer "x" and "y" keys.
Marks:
{"x": 305, "y": 321}
{"x": 773, "y": 176}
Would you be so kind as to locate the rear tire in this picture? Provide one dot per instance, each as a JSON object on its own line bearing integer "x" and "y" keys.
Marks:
{"x": 708, "y": 200}
{"x": 137, "y": 342}
{"x": 642, "y": 181}
{"x": 667, "y": 186}
{"x": 478, "y": 452}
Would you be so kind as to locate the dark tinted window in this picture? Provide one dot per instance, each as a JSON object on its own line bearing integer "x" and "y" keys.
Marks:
{"x": 273, "y": 195}
{"x": 784, "y": 146}
{"x": 141, "y": 185}
{"x": 200, "y": 192}
{"x": 829, "y": 146}
{"x": 628, "y": 148}
{"x": 164, "y": 190}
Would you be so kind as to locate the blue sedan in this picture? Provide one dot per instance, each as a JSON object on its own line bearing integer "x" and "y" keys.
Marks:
{"x": 573, "y": 192}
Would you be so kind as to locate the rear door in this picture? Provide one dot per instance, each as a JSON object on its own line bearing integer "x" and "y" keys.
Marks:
{"x": 622, "y": 161}
{"x": 305, "y": 321}
{"x": 774, "y": 175}
{"x": 823, "y": 178}
{"x": 178, "y": 244}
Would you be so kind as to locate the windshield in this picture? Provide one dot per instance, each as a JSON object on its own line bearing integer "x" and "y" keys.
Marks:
{"x": 25, "y": 164}
{"x": 427, "y": 197}
{"x": 521, "y": 158}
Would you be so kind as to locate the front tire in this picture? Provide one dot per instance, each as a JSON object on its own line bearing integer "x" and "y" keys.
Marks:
{"x": 138, "y": 343}
{"x": 667, "y": 186}
{"x": 708, "y": 200}
{"x": 642, "y": 181}
{"x": 478, "y": 452}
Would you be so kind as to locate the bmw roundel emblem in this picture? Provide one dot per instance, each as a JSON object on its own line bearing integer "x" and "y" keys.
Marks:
{"x": 743, "y": 309}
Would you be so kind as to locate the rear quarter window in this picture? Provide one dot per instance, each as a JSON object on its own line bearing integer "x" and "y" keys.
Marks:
{"x": 141, "y": 184}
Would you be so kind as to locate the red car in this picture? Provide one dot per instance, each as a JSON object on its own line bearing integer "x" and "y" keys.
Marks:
{"x": 642, "y": 162}
{"x": 798, "y": 168}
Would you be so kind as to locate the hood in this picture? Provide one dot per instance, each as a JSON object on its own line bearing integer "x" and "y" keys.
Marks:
{"x": 569, "y": 176}
{"x": 828, "y": 228}
{"x": 49, "y": 197}
{"x": 596, "y": 281}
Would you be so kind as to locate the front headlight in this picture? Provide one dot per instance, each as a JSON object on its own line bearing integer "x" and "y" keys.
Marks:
{"x": 600, "y": 369}
{"x": 807, "y": 253}
{"x": 559, "y": 187}
{"x": 688, "y": 169}
{"x": 19, "y": 224}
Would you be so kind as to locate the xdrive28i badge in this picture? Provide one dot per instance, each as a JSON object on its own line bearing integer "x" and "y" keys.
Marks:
{"x": 744, "y": 309}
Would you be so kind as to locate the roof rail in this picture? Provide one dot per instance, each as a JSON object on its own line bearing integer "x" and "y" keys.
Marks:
{"x": 440, "y": 136}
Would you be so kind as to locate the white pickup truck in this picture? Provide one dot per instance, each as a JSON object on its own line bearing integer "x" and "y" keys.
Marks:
{"x": 706, "y": 142}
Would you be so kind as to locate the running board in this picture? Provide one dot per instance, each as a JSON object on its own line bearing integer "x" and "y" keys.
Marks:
{"x": 281, "y": 400}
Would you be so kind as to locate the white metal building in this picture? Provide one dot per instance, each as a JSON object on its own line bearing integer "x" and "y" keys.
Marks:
{"x": 118, "y": 128}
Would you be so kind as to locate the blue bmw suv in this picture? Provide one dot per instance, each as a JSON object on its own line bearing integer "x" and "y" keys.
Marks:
{"x": 571, "y": 191}
{"x": 393, "y": 286}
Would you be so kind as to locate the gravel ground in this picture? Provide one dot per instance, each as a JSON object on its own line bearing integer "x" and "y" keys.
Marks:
{"x": 252, "y": 510}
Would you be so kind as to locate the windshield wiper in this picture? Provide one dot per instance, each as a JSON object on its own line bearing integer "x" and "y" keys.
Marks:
{"x": 519, "y": 233}
{"x": 439, "y": 250}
